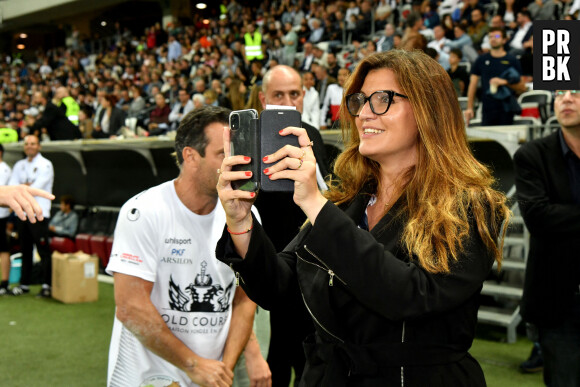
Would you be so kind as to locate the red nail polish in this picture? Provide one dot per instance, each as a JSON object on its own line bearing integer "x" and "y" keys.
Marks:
{"x": 248, "y": 173}
{"x": 246, "y": 158}
{"x": 265, "y": 158}
{"x": 266, "y": 170}
{"x": 270, "y": 177}
{"x": 280, "y": 132}
{"x": 252, "y": 194}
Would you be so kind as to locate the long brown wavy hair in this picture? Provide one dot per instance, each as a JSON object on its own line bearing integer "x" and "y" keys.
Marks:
{"x": 448, "y": 187}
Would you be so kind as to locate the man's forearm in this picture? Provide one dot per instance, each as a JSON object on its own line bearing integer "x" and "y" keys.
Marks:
{"x": 149, "y": 328}
{"x": 471, "y": 91}
{"x": 243, "y": 310}
{"x": 253, "y": 346}
{"x": 138, "y": 314}
{"x": 258, "y": 370}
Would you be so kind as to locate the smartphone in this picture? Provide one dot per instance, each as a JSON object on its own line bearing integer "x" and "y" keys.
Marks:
{"x": 271, "y": 122}
{"x": 244, "y": 140}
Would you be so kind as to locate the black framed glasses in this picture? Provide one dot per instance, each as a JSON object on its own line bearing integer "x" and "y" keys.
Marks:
{"x": 380, "y": 101}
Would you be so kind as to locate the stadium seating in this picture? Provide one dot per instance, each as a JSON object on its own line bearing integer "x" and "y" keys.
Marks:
{"x": 96, "y": 227}
{"x": 62, "y": 245}
{"x": 542, "y": 97}
{"x": 83, "y": 243}
{"x": 98, "y": 245}
{"x": 551, "y": 126}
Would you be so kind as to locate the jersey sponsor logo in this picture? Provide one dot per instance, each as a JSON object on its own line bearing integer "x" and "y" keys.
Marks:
{"x": 133, "y": 214}
{"x": 130, "y": 258}
{"x": 203, "y": 295}
{"x": 177, "y": 241}
{"x": 176, "y": 257}
{"x": 179, "y": 261}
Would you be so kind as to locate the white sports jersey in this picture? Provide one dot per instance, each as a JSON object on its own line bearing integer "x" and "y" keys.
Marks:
{"x": 37, "y": 173}
{"x": 5, "y": 172}
{"x": 160, "y": 240}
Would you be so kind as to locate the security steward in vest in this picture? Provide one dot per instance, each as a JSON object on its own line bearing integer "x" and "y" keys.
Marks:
{"x": 62, "y": 96}
{"x": 253, "y": 44}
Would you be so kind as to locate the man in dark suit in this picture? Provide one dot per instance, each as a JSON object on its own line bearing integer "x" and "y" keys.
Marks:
{"x": 548, "y": 189}
{"x": 54, "y": 120}
{"x": 323, "y": 79}
{"x": 521, "y": 39}
{"x": 308, "y": 57}
{"x": 281, "y": 218}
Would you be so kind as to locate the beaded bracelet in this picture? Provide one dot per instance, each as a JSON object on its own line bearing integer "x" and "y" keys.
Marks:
{"x": 240, "y": 233}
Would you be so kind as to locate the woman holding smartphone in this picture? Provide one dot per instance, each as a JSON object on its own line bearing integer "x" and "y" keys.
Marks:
{"x": 392, "y": 259}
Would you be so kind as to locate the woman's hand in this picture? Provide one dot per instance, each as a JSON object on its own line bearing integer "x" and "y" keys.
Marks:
{"x": 298, "y": 164}
{"x": 237, "y": 203}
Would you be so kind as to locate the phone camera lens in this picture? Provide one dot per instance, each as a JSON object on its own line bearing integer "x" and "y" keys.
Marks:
{"x": 235, "y": 122}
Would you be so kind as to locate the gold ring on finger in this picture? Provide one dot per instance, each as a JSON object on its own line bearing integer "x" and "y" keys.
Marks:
{"x": 301, "y": 161}
{"x": 301, "y": 157}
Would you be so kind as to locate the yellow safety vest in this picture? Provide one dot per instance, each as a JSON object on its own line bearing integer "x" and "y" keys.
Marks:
{"x": 72, "y": 109}
{"x": 8, "y": 135}
{"x": 253, "y": 46}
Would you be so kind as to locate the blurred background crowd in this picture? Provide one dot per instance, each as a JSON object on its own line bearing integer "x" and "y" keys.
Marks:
{"x": 140, "y": 82}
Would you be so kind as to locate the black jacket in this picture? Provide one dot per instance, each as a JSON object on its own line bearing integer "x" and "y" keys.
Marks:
{"x": 553, "y": 219}
{"x": 378, "y": 316}
{"x": 282, "y": 219}
{"x": 56, "y": 123}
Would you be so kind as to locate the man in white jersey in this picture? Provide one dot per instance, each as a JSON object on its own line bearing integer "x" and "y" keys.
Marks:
{"x": 180, "y": 318}
{"x": 5, "y": 172}
{"x": 34, "y": 171}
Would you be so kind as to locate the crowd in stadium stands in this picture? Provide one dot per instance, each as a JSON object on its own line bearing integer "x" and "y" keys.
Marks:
{"x": 144, "y": 75}
{"x": 142, "y": 83}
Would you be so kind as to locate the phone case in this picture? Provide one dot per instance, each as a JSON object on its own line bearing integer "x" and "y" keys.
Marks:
{"x": 271, "y": 122}
{"x": 244, "y": 140}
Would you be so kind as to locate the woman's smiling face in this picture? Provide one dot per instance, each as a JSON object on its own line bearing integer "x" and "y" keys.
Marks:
{"x": 391, "y": 136}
